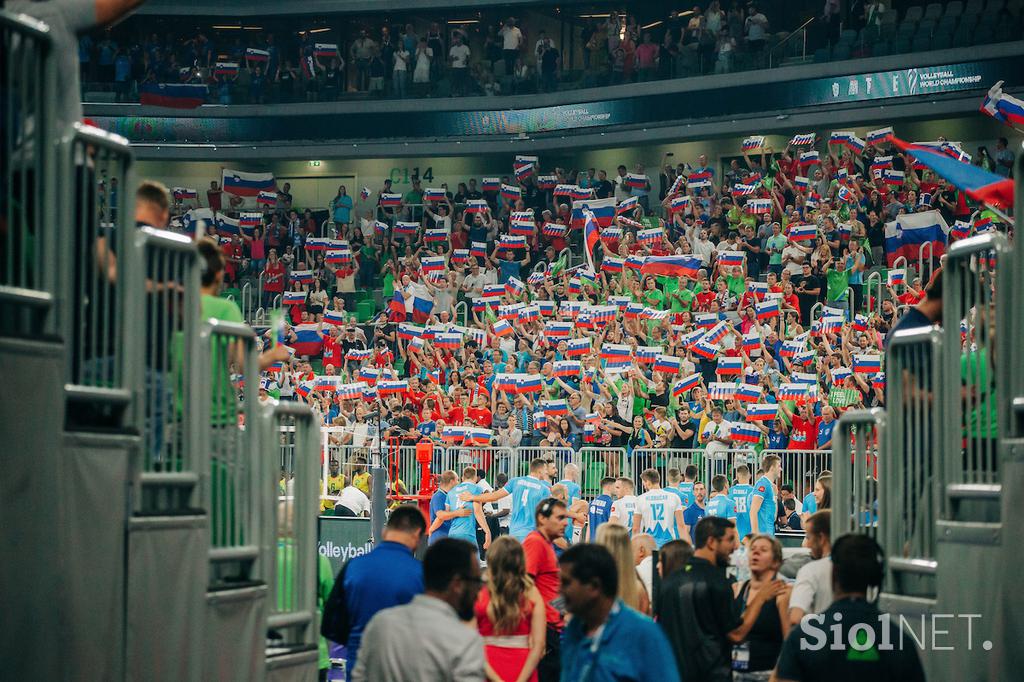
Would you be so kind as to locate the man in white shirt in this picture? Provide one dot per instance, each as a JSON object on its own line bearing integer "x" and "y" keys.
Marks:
{"x": 812, "y": 592}
{"x": 352, "y": 502}
{"x": 793, "y": 257}
{"x": 622, "y": 191}
{"x": 473, "y": 283}
{"x": 512, "y": 42}
{"x": 716, "y": 436}
{"x": 643, "y": 559}
{"x": 659, "y": 513}
{"x": 459, "y": 56}
{"x": 624, "y": 506}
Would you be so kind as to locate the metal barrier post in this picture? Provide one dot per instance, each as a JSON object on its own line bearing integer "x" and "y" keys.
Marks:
{"x": 30, "y": 196}
{"x": 598, "y": 462}
{"x": 912, "y": 484}
{"x": 462, "y": 313}
{"x": 230, "y": 436}
{"x": 291, "y": 542}
{"x": 921, "y": 262}
{"x": 874, "y": 283}
{"x": 973, "y": 369}
{"x": 855, "y": 504}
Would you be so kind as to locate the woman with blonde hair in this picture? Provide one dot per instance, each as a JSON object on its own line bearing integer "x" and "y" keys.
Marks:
{"x": 760, "y": 649}
{"x": 631, "y": 590}
{"x": 510, "y": 615}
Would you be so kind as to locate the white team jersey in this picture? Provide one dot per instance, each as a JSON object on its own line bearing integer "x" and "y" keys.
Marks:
{"x": 657, "y": 509}
{"x": 623, "y": 510}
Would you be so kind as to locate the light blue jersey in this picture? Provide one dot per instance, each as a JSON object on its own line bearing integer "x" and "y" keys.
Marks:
{"x": 686, "y": 489}
{"x": 721, "y": 505}
{"x": 527, "y": 492}
{"x": 463, "y": 527}
{"x": 769, "y": 508}
{"x": 740, "y": 494}
{"x": 575, "y": 492}
{"x": 810, "y": 505}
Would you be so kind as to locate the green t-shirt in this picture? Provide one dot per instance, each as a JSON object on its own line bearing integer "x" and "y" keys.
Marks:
{"x": 737, "y": 285}
{"x": 224, "y": 407}
{"x": 388, "y": 286}
{"x": 683, "y": 302}
{"x": 837, "y": 283}
{"x": 975, "y": 372}
{"x": 777, "y": 243}
{"x": 653, "y": 299}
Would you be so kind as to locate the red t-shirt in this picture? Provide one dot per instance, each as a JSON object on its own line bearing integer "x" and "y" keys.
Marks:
{"x": 481, "y": 415}
{"x": 274, "y": 279}
{"x": 332, "y": 354}
{"x": 213, "y": 198}
{"x": 804, "y": 434}
{"x": 542, "y": 565}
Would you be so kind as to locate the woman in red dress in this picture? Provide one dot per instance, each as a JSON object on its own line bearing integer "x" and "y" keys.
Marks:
{"x": 510, "y": 615}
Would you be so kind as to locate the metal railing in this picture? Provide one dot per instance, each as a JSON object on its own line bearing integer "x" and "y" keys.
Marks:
{"x": 95, "y": 169}
{"x": 925, "y": 267}
{"x": 291, "y": 539}
{"x": 30, "y": 196}
{"x": 873, "y": 283}
{"x": 801, "y": 31}
{"x": 973, "y": 299}
{"x": 912, "y": 484}
{"x": 168, "y": 314}
{"x": 232, "y": 474}
{"x": 855, "y": 504}
{"x": 596, "y": 463}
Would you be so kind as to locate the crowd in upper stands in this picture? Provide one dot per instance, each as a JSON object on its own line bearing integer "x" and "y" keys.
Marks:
{"x": 723, "y": 310}
{"x": 504, "y": 57}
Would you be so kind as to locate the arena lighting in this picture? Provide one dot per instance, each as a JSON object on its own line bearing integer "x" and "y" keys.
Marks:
{"x": 594, "y": 16}
{"x": 252, "y": 28}
{"x": 318, "y": 30}
{"x": 227, "y": 28}
{"x": 653, "y": 24}
{"x": 464, "y": 21}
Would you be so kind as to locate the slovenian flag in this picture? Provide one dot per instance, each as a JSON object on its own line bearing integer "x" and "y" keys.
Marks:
{"x": 879, "y": 136}
{"x": 184, "y": 194}
{"x": 392, "y": 387}
{"x": 409, "y": 331}
{"x": 840, "y": 374}
{"x": 741, "y": 190}
{"x": 636, "y": 181}
{"x": 810, "y": 158}
{"x": 728, "y": 259}
{"x": 802, "y": 140}
{"x": 905, "y": 235}
{"x": 686, "y": 384}
{"x": 960, "y": 230}
{"x": 390, "y": 199}
{"x": 567, "y": 369}
{"x": 753, "y": 143}
{"x": 751, "y": 342}
{"x": 452, "y": 433}
{"x": 576, "y": 348}
{"x": 564, "y": 190}
{"x": 325, "y": 50}
{"x": 254, "y": 55}
{"x": 612, "y": 265}
{"x": 557, "y": 330}
{"x": 719, "y": 390}
{"x": 434, "y": 194}
{"x": 878, "y": 381}
{"x": 718, "y": 332}
{"x": 670, "y": 266}
{"x": 860, "y": 323}
{"x": 302, "y": 276}
{"x": 448, "y": 340}
{"x": 435, "y": 235}
{"x": 405, "y": 229}
{"x": 603, "y": 210}
{"x": 616, "y": 353}
{"x": 762, "y": 412}
{"x": 846, "y": 195}
{"x": 627, "y": 205}
{"x": 421, "y": 309}
{"x": 679, "y": 203}
{"x": 704, "y": 349}
{"x": 546, "y": 181}
{"x": 792, "y": 391}
{"x": 802, "y": 233}
{"x": 511, "y": 192}
{"x": 432, "y": 263}
{"x": 364, "y": 193}
{"x": 502, "y": 328}
{"x": 896, "y": 277}
{"x": 953, "y": 164}
{"x": 729, "y": 366}
{"x": 553, "y": 230}
{"x": 801, "y": 183}
{"x": 748, "y": 393}
{"x": 528, "y": 383}
{"x": 490, "y": 184}
{"x": 867, "y": 363}
{"x": 335, "y": 317}
{"x": 293, "y": 298}
{"x": 225, "y": 69}
{"x": 758, "y": 206}
{"x": 745, "y": 433}
{"x": 521, "y": 223}
{"x": 767, "y": 310}
{"x": 540, "y": 421}
{"x": 476, "y": 206}
{"x": 648, "y": 354}
{"x": 667, "y": 364}
{"x": 554, "y": 408}
{"x": 358, "y": 354}
{"x": 250, "y": 220}
{"x": 245, "y": 184}
{"x": 650, "y": 237}
{"x": 891, "y": 176}
{"x": 307, "y": 339}
{"x": 328, "y": 384}
{"x": 523, "y": 170}
{"x": 1003, "y": 107}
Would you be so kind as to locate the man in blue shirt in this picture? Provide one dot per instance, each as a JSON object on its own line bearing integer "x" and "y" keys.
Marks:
{"x": 825, "y": 427}
{"x": 763, "y": 506}
{"x": 686, "y": 487}
{"x": 720, "y": 503}
{"x": 696, "y": 511}
{"x": 606, "y": 638}
{"x": 674, "y": 481}
{"x": 572, "y": 486}
{"x": 446, "y": 482}
{"x": 388, "y": 576}
{"x": 740, "y": 494}
{"x": 527, "y": 492}
{"x": 601, "y": 508}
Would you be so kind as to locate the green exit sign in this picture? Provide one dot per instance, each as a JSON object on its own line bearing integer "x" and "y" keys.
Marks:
{"x": 314, "y": 164}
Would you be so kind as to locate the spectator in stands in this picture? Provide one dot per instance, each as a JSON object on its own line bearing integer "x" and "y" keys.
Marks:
{"x": 857, "y": 566}
{"x": 512, "y": 43}
{"x": 925, "y": 313}
{"x": 459, "y": 55}
{"x": 510, "y": 613}
{"x": 422, "y": 60}
{"x": 757, "y": 653}
{"x": 604, "y": 631}
{"x": 428, "y": 638}
{"x": 695, "y": 608}
{"x": 388, "y": 576}
{"x": 812, "y": 592}
{"x": 1004, "y": 158}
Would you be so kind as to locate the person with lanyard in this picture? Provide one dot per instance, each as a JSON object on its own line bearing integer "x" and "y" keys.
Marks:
{"x": 858, "y": 564}
{"x": 605, "y": 638}
{"x": 754, "y": 657}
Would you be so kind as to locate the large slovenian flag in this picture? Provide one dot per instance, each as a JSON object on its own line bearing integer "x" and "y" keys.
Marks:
{"x": 172, "y": 95}
{"x": 245, "y": 184}
{"x": 867, "y": 363}
{"x": 879, "y": 136}
{"x": 671, "y": 266}
{"x": 636, "y": 181}
{"x": 905, "y": 235}
{"x": 729, "y": 366}
{"x": 1003, "y": 107}
{"x": 627, "y": 205}
{"x": 554, "y": 408}
{"x": 800, "y": 233}
{"x": 977, "y": 182}
{"x": 253, "y": 54}
{"x": 325, "y": 50}
{"x": 603, "y": 210}
{"x": 307, "y": 339}
{"x": 762, "y": 412}
{"x": 767, "y": 310}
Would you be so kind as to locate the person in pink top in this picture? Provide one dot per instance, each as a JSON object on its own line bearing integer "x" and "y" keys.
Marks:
{"x": 647, "y": 58}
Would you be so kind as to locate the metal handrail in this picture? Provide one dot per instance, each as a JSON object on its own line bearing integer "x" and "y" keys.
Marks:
{"x": 798, "y": 29}
{"x": 874, "y": 277}
{"x": 853, "y": 509}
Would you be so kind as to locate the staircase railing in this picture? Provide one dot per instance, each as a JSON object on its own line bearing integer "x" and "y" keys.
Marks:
{"x": 855, "y": 503}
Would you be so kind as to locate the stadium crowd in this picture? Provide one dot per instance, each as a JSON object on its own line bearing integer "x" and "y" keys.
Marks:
{"x": 493, "y": 56}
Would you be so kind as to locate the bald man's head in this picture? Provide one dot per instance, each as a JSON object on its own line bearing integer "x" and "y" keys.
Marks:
{"x": 643, "y": 546}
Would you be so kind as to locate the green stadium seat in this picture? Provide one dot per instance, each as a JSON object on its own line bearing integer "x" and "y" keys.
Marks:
{"x": 933, "y": 11}
{"x": 821, "y": 55}
{"x": 974, "y": 7}
{"x": 942, "y": 41}
{"x": 841, "y": 52}
{"x": 947, "y": 23}
{"x": 232, "y": 292}
{"x": 914, "y": 13}
{"x": 903, "y": 46}
{"x": 926, "y": 27}
{"x": 365, "y": 311}
{"x": 963, "y": 38}
{"x": 906, "y": 30}
{"x": 595, "y": 472}
{"x": 954, "y": 8}
{"x": 921, "y": 43}
{"x": 848, "y": 36}
{"x": 882, "y": 48}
